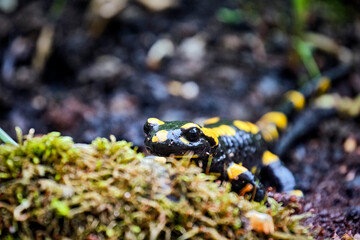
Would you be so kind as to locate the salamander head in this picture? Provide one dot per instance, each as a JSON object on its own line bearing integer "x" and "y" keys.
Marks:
{"x": 178, "y": 138}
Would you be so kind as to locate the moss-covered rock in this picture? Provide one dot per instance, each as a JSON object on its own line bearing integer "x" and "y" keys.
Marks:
{"x": 51, "y": 188}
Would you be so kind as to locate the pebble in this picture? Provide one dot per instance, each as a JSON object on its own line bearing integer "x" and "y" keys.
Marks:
{"x": 350, "y": 144}
{"x": 109, "y": 8}
{"x": 193, "y": 48}
{"x": 159, "y": 50}
{"x": 190, "y": 90}
{"x": 39, "y": 102}
{"x": 261, "y": 222}
{"x": 175, "y": 88}
{"x": 350, "y": 175}
{"x": 269, "y": 86}
{"x": 232, "y": 42}
{"x": 8, "y": 6}
{"x": 158, "y": 5}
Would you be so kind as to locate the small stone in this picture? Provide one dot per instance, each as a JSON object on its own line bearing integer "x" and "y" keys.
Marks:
{"x": 232, "y": 42}
{"x": 343, "y": 169}
{"x": 158, "y": 5}
{"x": 159, "y": 50}
{"x": 193, "y": 48}
{"x": 350, "y": 144}
{"x": 175, "y": 88}
{"x": 8, "y": 6}
{"x": 261, "y": 222}
{"x": 38, "y": 102}
{"x": 108, "y": 8}
{"x": 350, "y": 176}
{"x": 190, "y": 90}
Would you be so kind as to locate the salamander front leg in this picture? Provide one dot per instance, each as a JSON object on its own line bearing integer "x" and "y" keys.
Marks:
{"x": 244, "y": 182}
{"x": 276, "y": 174}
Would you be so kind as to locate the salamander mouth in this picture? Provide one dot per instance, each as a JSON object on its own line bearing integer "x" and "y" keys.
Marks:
{"x": 165, "y": 151}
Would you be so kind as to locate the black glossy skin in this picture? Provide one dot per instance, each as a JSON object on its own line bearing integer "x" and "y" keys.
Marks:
{"x": 244, "y": 148}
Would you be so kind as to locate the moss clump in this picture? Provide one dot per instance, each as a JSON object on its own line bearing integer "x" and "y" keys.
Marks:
{"x": 51, "y": 188}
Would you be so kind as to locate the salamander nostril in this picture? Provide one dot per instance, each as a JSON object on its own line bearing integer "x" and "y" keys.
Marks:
{"x": 147, "y": 128}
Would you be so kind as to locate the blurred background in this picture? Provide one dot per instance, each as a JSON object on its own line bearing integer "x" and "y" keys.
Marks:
{"x": 100, "y": 67}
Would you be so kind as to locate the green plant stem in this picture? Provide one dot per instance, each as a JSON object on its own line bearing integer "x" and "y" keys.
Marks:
{"x": 6, "y": 138}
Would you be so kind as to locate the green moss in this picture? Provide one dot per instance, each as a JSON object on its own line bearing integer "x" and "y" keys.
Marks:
{"x": 53, "y": 188}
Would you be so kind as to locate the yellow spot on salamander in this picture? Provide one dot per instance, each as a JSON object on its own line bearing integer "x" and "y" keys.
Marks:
{"x": 278, "y": 118}
{"x": 242, "y": 126}
{"x": 248, "y": 187}
{"x": 269, "y": 132}
{"x": 161, "y": 135}
{"x": 246, "y": 126}
{"x": 211, "y": 134}
{"x": 184, "y": 140}
{"x": 253, "y": 128}
{"x": 235, "y": 170}
{"x": 268, "y": 157}
{"x": 155, "y": 121}
{"x": 212, "y": 120}
{"x": 253, "y": 170}
{"x": 224, "y": 130}
{"x": 297, "y": 98}
{"x": 155, "y": 139}
{"x": 189, "y": 125}
{"x": 324, "y": 85}
{"x": 215, "y": 132}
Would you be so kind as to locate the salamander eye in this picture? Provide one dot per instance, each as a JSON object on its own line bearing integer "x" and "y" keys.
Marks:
{"x": 193, "y": 134}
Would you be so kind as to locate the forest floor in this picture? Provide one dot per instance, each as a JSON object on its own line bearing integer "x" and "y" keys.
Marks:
{"x": 65, "y": 67}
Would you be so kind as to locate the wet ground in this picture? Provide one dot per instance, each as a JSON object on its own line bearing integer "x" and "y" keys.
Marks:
{"x": 91, "y": 72}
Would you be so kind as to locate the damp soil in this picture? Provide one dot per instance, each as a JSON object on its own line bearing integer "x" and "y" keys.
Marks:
{"x": 97, "y": 80}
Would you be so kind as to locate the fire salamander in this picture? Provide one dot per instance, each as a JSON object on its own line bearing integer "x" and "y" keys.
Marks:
{"x": 236, "y": 150}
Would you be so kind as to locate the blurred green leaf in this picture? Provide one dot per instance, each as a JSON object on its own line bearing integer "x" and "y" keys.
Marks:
{"x": 230, "y": 16}
{"x": 304, "y": 50}
{"x": 61, "y": 208}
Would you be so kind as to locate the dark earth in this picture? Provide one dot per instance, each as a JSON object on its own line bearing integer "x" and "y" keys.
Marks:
{"x": 94, "y": 71}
